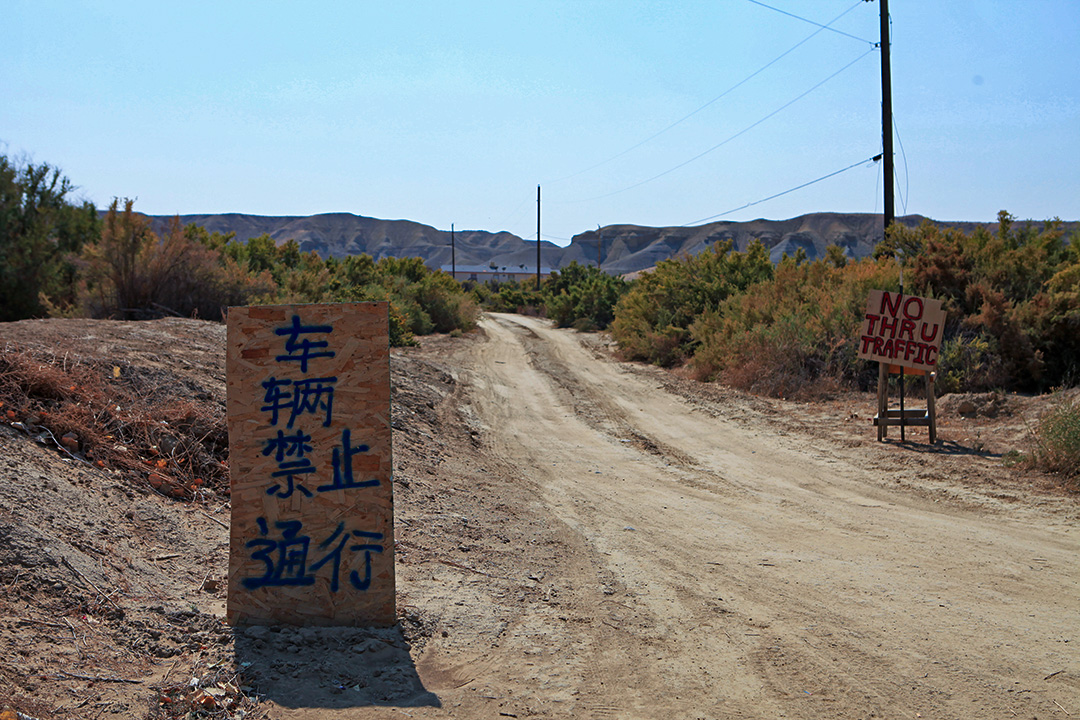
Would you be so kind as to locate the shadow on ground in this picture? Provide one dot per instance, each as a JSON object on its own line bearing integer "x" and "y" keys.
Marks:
{"x": 941, "y": 447}
{"x": 330, "y": 667}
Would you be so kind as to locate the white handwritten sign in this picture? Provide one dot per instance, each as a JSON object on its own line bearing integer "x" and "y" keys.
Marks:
{"x": 311, "y": 541}
{"x": 902, "y": 330}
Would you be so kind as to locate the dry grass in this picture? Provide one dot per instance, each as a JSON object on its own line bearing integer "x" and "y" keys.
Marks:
{"x": 120, "y": 418}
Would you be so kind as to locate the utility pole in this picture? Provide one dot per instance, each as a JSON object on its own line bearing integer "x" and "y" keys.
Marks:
{"x": 599, "y": 246}
{"x": 886, "y": 116}
{"x": 887, "y": 169}
{"x": 453, "y": 254}
{"x": 537, "y": 238}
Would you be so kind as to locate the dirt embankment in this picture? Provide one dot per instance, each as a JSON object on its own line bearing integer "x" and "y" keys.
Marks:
{"x": 577, "y": 537}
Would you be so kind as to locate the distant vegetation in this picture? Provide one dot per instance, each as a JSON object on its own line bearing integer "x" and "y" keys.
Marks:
{"x": 1012, "y": 298}
{"x": 579, "y": 296}
{"x": 60, "y": 258}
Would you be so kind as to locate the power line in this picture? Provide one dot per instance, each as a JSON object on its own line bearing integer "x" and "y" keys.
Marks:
{"x": 877, "y": 189}
{"x": 731, "y": 89}
{"x": 823, "y": 27}
{"x": 732, "y": 137}
{"x": 876, "y": 158}
{"x": 907, "y": 177}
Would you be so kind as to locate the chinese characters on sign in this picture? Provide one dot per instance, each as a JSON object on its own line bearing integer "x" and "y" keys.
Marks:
{"x": 902, "y": 330}
{"x": 311, "y": 541}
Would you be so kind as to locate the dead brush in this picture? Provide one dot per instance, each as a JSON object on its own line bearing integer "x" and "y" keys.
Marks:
{"x": 217, "y": 694}
{"x": 118, "y": 419}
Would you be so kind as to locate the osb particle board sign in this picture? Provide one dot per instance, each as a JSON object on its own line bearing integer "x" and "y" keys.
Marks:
{"x": 312, "y": 539}
{"x": 902, "y": 330}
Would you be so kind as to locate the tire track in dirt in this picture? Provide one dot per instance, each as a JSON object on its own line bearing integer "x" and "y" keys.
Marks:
{"x": 589, "y": 403}
{"x": 735, "y": 545}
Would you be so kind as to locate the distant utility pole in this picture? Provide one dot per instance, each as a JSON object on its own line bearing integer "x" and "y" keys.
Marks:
{"x": 537, "y": 238}
{"x": 599, "y": 246}
{"x": 886, "y": 118}
{"x": 453, "y": 254}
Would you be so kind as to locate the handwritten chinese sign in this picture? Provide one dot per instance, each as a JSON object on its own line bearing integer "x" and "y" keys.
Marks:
{"x": 312, "y": 539}
{"x": 902, "y": 330}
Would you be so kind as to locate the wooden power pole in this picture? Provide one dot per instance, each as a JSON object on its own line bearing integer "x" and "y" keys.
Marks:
{"x": 887, "y": 169}
{"x": 886, "y": 117}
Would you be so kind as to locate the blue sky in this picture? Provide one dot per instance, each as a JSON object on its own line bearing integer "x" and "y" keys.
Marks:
{"x": 453, "y": 112}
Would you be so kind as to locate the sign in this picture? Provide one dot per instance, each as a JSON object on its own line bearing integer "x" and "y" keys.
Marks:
{"x": 902, "y": 330}
{"x": 312, "y": 537}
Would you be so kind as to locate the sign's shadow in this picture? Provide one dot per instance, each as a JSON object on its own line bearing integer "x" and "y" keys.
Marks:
{"x": 330, "y": 667}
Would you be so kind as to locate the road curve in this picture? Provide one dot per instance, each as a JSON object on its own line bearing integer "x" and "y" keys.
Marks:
{"x": 728, "y": 571}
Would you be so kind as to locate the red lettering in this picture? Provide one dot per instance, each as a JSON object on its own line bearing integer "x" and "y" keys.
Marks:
{"x": 907, "y": 304}
{"x": 907, "y": 327}
{"x": 919, "y": 358}
{"x": 931, "y": 350}
{"x": 878, "y": 343}
{"x": 887, "y": 326}
{"x": 873, "y": 321}
{"x": 935, "y": 327}
{"x": 890, "y": 308}
{"x": 866, "y": 341}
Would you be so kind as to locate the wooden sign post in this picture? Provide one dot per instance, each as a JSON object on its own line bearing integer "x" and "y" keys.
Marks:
{"x": 312, "y": 536}
{"x": 903, "y": 333}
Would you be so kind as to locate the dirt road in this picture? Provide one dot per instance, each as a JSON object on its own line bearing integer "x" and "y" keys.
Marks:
{"x": 716, "y": 570}
{"x": 575, "y": 538}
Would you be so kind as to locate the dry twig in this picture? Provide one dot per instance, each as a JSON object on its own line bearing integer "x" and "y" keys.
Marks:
{"x": 99, "y": 678}
{"x": 88, "y": 582}
{"x": 215, "y": 520}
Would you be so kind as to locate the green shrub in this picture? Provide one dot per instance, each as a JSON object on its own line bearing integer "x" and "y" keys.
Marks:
{"x": 582, "y": 297}
{"x": 968, "y": 363}
{"x": 41, "y": 230}
{"x": 1058, "y": 439}
{"x": 653, "y": 319}
{"x": 509, "y": 296}
{"x": 794, "y": 334}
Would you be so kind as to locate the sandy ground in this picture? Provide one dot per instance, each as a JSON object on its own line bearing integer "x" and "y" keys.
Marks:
{"x": 577, "y": 537}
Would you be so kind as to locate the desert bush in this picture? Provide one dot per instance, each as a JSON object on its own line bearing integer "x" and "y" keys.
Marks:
{"x": 422, "y": 300}
{"x": 1057, "y": 439}
{"x": 510, "y": 296}
{"x": 40, "y": 227}
{"x": 653, "y": 319}
{"x": 582, "y": 296}
{"x": 130, "y": 273}
{"x": 968, "y": 362}
{"x": 1011, "y": 296}
{"x": 794, "y": 334}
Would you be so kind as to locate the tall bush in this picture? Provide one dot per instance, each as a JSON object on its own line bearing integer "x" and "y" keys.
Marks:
{"x": 582, "y": 296}
{"x": 1011, "y": 296}
{"x": 130, "y": 273}
{"x": 793, "y": 333}
{"x": 40, "y": 228}
{"x": 653, "y": 319}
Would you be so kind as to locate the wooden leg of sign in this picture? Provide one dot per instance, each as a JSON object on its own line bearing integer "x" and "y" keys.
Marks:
{"x": 882, "y": 401}
{"x": 931, "y": 412}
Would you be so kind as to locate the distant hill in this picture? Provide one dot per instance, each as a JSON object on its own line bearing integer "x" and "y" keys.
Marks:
{"x": 620, "y": 248}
